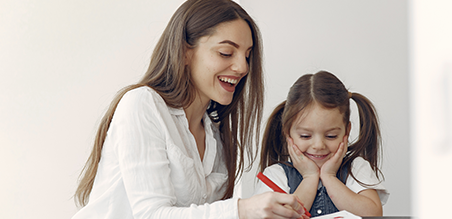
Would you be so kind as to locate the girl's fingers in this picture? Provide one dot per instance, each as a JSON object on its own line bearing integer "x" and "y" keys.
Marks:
{"x": 296, "y": 150}
{"x": 340, "y": 151}
{"x": 292, "y": 147}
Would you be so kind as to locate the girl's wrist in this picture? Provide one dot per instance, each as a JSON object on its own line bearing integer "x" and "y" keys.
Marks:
{"x": 327, "y": 176}
{"x": 311, "y": 176}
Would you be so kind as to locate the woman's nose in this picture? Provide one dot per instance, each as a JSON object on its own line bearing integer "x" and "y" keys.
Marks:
{"x": 240, "y": 65}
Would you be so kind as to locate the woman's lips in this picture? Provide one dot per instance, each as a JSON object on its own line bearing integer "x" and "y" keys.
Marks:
{"x": 228, "y": 83}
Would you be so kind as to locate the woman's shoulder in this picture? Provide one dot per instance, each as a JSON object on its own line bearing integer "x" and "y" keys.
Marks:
{"x": 143, "y": 92}
{"x": 143, "y": 96}
{"x": 141, "y": 101}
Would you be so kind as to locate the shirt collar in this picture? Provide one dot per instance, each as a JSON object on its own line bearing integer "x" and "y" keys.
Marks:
{"x": 210, "y": 154}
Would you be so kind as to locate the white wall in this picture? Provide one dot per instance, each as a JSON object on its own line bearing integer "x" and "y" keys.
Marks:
{"x": 365, "y": 44}
{"x": 431, "y": 104}
{"x": 61, "y": 62}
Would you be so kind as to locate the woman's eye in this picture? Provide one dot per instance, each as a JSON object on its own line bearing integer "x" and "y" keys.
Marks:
{"x": 225, "y": 54}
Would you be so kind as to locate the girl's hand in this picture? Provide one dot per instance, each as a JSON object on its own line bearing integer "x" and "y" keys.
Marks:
{"x": 270, "y": 205}
{"x": 330, "y": 167}
{"x": 305, "y": 166}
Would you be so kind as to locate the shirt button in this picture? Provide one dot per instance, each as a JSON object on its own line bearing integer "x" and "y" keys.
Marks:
{"x": 319, "y": 211}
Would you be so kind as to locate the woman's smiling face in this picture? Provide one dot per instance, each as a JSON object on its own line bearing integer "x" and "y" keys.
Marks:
{"x": 318, "y": 131}
{"x": 219, "y": 61}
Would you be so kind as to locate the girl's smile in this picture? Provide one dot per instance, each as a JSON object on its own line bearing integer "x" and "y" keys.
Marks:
{"x": 316, "y": 157}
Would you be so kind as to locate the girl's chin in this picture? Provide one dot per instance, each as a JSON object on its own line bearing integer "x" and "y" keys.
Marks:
{"x": 319, "y": 165}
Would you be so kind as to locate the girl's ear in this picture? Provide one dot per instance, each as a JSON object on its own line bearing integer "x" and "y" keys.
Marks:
{"x": 349, "y": 128}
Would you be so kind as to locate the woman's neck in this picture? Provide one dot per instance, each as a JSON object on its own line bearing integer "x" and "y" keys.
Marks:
{"x": 195, "y": 112}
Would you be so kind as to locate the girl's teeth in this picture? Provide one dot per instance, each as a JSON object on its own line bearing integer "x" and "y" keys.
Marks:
{"x": 318, "y": 156}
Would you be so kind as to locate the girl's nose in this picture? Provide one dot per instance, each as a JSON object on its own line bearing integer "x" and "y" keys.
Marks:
{"x": 318, "y": 144}
{"x": 240, "y": 65}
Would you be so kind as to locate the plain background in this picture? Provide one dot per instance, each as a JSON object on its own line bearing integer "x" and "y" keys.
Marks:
{"x": 61, "y": 63}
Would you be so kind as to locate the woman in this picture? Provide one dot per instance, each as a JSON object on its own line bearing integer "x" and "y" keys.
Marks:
{"x": 173, "y": 145}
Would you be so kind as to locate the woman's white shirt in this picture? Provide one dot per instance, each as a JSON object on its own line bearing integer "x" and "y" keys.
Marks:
{"x": 150, "y": 165}
{"x": 360, "y": 168}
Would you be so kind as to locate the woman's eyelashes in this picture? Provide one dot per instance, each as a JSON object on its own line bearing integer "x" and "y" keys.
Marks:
{"x": 230, "y": 54}
{"x": 226, "y": 55}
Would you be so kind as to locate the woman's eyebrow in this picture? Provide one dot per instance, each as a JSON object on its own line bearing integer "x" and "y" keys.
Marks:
{"x": 232, "y": 43}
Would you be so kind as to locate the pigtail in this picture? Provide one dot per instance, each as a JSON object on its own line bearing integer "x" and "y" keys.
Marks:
{"x": 273, "y": 141}
{"x": 368, "y": 145}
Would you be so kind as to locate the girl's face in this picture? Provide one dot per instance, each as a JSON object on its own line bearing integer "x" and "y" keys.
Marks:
{"x": 318, "y": 132}
{"x": 220, "y": 61}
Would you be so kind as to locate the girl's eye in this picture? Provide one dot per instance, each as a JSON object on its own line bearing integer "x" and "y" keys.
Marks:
{"x": 331, "y": 136}
{"x": 225, "y": 54}
{"x": 305, "y": 136}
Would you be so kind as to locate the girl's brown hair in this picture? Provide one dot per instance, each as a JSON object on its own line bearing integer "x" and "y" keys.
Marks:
{"x": 167, "y": 75}
{"x": 327, "y": 90}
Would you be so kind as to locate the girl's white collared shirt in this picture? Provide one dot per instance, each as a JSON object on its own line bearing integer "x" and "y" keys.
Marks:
{"x": 150, "y": 166}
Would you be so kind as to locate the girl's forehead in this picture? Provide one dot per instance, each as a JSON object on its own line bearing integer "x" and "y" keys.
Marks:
{"x": 318, "y": 116}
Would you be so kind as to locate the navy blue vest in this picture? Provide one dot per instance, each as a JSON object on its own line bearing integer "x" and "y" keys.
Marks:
{"x": 322, "y": 203}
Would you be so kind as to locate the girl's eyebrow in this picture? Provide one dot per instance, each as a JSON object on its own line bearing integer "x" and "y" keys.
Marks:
{"x": 335, "y": 128}
{"x": 302, "y": 128}
{"x": 328, "y": 130}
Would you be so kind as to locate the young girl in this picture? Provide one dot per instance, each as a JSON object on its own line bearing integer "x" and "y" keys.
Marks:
{"x": 172, "y": 145}
{"x": 312, "y": 128}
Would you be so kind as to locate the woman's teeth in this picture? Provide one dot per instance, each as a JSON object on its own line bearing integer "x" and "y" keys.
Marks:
{"x": 228, "y": 80}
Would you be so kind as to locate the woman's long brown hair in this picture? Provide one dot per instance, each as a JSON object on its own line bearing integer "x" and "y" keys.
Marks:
{"x": 327, "y": 90}
{"x": 167, "y": 75}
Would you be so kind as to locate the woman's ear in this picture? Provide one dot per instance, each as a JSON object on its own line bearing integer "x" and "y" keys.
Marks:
{"x": 188, "y": 56}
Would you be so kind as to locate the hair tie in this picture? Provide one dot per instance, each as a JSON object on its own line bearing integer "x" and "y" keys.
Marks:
{"x": 350, "y": 94}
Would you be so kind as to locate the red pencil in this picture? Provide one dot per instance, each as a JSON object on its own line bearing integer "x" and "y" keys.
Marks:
{"x": 276, "y": 188}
